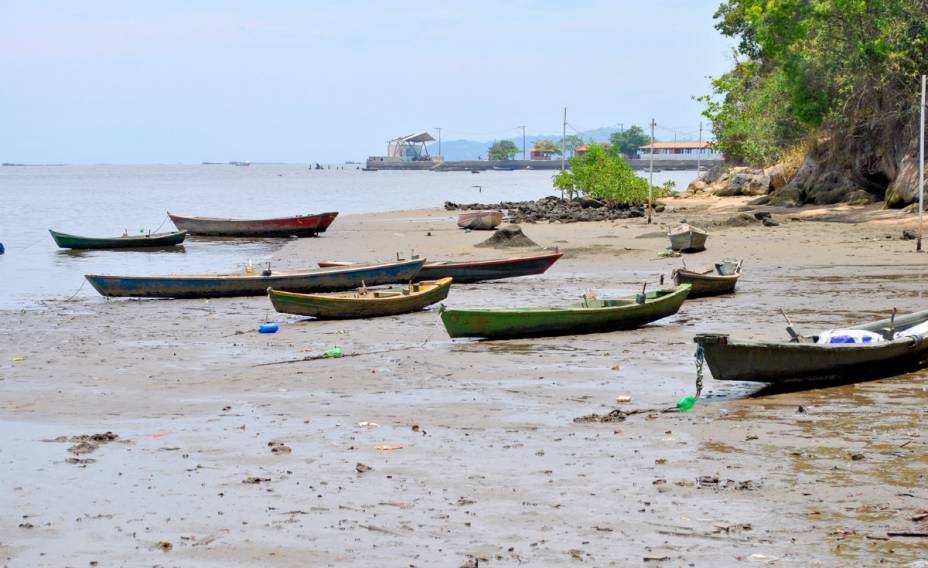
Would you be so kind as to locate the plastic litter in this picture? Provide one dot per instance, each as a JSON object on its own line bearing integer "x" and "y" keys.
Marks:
{"x": 686, "y": 403}
{"x": 2, "y": 250}
{"x": 848, "y": 336}
{"x": 387, "y": 448}
{"x": 268, "y": 328}
{"x": 332, "y": 353}
{"x": 368, "y": 424}
{"x": 623, "y": 398}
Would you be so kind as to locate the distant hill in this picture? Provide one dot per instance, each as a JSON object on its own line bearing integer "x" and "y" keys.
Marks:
{"x": 472, "y": 149}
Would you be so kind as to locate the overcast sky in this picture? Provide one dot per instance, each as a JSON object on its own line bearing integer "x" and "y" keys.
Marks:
{"x": 301, "y": 81}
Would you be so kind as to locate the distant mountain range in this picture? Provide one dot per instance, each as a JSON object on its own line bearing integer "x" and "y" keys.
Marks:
{"x": 472, "y": 149}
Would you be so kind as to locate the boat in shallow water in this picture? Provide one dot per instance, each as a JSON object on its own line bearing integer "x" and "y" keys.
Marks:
{"x": 804, "y": 360}
{"x": 589, "y": 316}
{"x": 298, "y": 225}
{"x": 126, "y": 241}
{"x": 469, "y": 271}
{"x": 364, "y": 302}
{"x": 711, "y": 282}
{"x": 255, "y": 284}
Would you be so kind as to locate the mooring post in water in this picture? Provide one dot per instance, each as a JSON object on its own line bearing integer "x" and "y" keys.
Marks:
{"x": 921, "y": 168}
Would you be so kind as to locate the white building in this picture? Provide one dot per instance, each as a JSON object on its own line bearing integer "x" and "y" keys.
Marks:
{"x": 680, "y": 151}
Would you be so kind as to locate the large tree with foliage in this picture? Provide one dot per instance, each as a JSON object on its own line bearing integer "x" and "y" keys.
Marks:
{"x": 833, "y": 81}
{"x": 627, "y": 142}
{"x": 503, "y": 150}
{"x": 602, "y": 175}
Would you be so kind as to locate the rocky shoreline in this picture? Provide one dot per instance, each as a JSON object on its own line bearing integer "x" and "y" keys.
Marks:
{"x": 558, "y": 210}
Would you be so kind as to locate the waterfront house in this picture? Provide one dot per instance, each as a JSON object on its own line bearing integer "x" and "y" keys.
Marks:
{"x": 680, "y": 151}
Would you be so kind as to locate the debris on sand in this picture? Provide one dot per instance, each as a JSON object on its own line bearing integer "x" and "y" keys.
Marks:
{"x": 87, "y": 443}
{"x": 279, "y": 448}
{"x": 510, "y": 236}
{"x": 616, "y": 415}
{"x": 255, "y": 480}
{"x": 362, "y": 468}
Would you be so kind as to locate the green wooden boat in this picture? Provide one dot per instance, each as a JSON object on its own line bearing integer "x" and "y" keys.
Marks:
{"x": 66, "y": 241}
{"x": 589, "y": 316}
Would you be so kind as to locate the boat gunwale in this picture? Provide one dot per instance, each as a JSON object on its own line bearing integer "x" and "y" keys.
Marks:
{"x": 235, "y": 220}
{"x": 333, "y": 297}
{"x": 141, "y": 238}
{"x": 257, "y": 275}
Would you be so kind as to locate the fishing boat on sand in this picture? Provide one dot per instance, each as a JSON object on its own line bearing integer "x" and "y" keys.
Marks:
{"x": 588, "y": 316}
{"x": 720, "y": 279}
{"x": 687, "y": 238}
{"x": 470, "y": 271}
{"x": 901, "y": 346}
{"x": 255, "y": 283}
{"x": 364, "y": 302}
{"x": 126, "y": 241}
{"x": 298, "y": 225}
{"x": 480, "y": 220}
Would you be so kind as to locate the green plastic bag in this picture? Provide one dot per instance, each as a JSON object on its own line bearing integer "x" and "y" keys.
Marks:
{"x": 333, "y": 353}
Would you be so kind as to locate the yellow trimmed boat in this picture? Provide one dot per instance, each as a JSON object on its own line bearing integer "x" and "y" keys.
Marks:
{"x": 362, "y": 303}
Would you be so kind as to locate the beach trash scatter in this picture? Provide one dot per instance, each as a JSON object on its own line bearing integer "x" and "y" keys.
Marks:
{"x": 388, "y": 448}
{"x": 332, "y": 353}
{"x": 686, "y": 403}
{"x": 268, "y": 328}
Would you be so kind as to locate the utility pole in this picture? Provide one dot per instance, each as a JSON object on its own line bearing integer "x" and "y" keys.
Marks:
{"x": 921, "y": 168}
{"x": 523, "y": 141}
{"x": 699, "y": 149}
{"x": 651, "y": 174}
{"x": 439, "y": 141}
{"x": 564, "y": 140}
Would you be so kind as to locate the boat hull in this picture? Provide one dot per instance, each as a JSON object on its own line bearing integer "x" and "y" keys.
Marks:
{"x": 300, "y": 226}
{"x": 706, "y": 284}
{"x": 481, "y": 270}
{"x": 570, "y": 320}
{"x": 368, "y": 306}
{"x": 214, "y": 286}
{"x": 688, "y": 241}
{"x": 154, "y": 240}
{"x": 789, "y": 362}
{"x": 480, "y": 220}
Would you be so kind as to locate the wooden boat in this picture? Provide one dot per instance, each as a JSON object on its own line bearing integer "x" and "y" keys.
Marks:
{"x": 362, "y": 303}
{"x": 589, "y": 316}
{"x": 807, "y": 361}
{"x": 299, "y": 225}
{"x": 480, "y": 220}
{"x": 687, "y": 238}
{"x": 66, "y": 241}
{"x": 707, "y": 282}
{"x": 255, "y": 284}
{"x": 465, "y": 272}
{"x": 326, "y": 219}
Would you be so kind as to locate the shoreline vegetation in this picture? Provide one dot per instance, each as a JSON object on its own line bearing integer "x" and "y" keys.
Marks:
{"x": 826, "y": 93}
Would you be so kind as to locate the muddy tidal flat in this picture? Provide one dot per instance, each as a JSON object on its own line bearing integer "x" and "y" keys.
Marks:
{"x": 171, "y": 433}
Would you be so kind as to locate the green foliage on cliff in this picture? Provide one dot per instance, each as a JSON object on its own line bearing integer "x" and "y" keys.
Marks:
{"x": 503, "y": 150}
{"x": 601, "y": 175}
{"x": 809, "y": 67}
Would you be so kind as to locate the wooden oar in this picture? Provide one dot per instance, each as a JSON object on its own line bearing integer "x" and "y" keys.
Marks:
{"x": 794, "y": 335}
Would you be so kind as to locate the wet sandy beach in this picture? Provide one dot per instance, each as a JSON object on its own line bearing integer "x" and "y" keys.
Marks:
{"x": 227, "y": 454}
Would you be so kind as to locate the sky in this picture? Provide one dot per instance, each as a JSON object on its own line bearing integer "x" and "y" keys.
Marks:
{"x": 305, "y": 81}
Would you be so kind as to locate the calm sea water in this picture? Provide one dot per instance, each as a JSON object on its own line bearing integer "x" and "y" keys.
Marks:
{"x": 106, "y": 200}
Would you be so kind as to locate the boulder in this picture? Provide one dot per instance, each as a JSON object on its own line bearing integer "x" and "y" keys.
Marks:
{"x": 509, "y": 236}
{"x": 789, "y": 196}
{"x": 779, "y": 175}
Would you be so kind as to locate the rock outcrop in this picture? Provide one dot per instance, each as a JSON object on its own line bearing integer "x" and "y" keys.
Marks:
{"x": 727, "y": 182}
{"x": 555, "y": 209}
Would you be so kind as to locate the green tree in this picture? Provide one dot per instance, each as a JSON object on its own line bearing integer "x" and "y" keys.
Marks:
{"x": 571, "y": 142}
{"x": 502, "y": 150}
{"x": 627, "y": 142}
{"x": 813, "y": 69}
{"x": 602, "y": 175}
